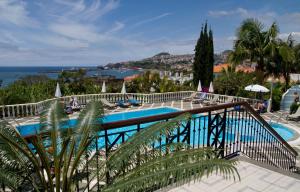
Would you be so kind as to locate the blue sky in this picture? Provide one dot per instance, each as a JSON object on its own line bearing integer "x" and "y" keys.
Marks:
{"x": 95, "y": 32}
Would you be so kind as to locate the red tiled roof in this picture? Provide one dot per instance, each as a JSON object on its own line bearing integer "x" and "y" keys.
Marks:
{"x": 220, "y": 67}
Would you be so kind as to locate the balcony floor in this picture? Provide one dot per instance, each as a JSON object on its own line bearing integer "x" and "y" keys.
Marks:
{"x": 253, "y": 179}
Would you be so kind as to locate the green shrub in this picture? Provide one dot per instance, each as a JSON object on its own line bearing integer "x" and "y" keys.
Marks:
{"x": 293, "y": 108}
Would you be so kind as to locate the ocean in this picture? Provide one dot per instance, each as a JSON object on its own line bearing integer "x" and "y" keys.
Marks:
{"x": 11, "y": 74}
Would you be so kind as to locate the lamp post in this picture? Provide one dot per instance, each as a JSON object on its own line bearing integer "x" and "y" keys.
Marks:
{"x": 269, "y": 108}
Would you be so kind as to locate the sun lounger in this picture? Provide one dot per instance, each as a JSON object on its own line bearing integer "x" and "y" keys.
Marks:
{"x": 295, "y": 116}
{"x": 199, "y": 99}
{"x": 123, "y": 104}
{"x": 191, "y": 97}
{"x": 214, "y": 101}
{"x": 74, "y": 104}
{"x": 108, "y": 104}
{"x": 133, "y": 101}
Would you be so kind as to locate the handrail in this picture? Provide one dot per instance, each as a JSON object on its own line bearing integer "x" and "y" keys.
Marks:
{"x": 135, "y": 121}
{"x": 268, "y": 126}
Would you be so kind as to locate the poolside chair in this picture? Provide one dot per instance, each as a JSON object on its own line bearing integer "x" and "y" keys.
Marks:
{"x": 200, "y": 99}
{"x": 191, "y": 97}
{"x": 108, "y": 104}
{"x": 123, "y": 104}
{"x": 133, "y": 101}
{"x": 75, "y": 106}
{"x": 214, "y": 101}
{"x": 294, "y": 116}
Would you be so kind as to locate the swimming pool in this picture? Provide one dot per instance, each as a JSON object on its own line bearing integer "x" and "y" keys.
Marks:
{"x": 32, "y": 129}
{"x": 198, "y": 126}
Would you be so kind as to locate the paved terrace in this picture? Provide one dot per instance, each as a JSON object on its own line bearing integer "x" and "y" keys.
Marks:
{"x": 254, "y": 178}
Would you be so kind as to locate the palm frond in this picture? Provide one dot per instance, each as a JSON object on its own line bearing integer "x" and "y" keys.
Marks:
{"x": 144, "y": 139}
{"x": 175, "y": 168}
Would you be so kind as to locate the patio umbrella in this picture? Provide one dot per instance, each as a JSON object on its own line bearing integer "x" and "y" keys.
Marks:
{"x": 103, "y": 90}
{"x": 57, "y": 91}
{"x": 199, "y": 88}
{"x": 211, "y": 87}
{"x": 257, "y": 88}
{"x": 123, "y": 91}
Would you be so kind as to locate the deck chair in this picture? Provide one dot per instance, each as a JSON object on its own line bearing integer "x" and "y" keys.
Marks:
{"x": 133, "y": 101}
{"x": 214, "y": 101}
{"x": 191, "y": 97}
{"x": 294, "y": 116}
{"x": 199, "y": 99}
{"x": 123, "y": 104}
{"x": 108, "y": 104}
{"x": 74, "y": 104}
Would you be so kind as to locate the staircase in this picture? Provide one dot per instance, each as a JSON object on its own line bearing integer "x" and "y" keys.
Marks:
{"x": 233, "y": 129}
{"x": 288, "y": 97}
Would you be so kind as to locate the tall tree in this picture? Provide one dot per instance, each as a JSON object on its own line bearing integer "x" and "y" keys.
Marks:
{"x": 204, "y": 58}
{"x": 210, "y": 56}
{"x": 254, "y": 43}
{"x": 284, "y": 59}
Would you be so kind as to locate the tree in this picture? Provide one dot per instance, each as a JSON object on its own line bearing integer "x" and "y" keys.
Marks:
{"x": 204, "y": 58}
{"x": 255, "y": 44}
{"x": 226, "y": 82}
{"x": 297, "y": 58}
{"x": 27, "y": 166}
{"x": 283, "y": 60}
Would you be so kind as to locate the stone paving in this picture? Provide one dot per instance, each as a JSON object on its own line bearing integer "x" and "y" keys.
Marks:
{"x": 253, "y": 179}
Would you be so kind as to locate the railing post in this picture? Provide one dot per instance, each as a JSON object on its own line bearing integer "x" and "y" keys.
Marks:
{"x": 97, "y": 162}
{"x": 106, "y": 156}
{"x": 209, "y": 129}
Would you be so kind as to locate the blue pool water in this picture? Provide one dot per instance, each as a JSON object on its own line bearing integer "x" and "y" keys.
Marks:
{"x": 32, "y": 129}
{"x": 198, "y": 127}
{"x": 283, "y": 131}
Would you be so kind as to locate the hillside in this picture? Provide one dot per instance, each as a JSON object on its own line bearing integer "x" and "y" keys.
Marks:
{"x": 164, "y": 60}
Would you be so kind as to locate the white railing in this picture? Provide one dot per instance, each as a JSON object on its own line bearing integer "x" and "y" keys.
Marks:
{"x": 34, "y": 109}
{"x": 224, "y": 98}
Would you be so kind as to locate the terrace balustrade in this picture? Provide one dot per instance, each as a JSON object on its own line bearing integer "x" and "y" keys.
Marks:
{"x": 34, "y": 109}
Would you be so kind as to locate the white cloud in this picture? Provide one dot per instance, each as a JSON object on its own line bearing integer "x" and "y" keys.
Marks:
{"x": 222, "y": 13}
{"x": 14, "y": 12}
{"x": 117, "y": 27}
{"x": 152, "y": 19}
{"x": 265, "y": 16}
{"x": 87, "y": 10}
{"x": 62, "y": 42}
{"x": 295, "y": 35}
{"x": 76, "y": 31}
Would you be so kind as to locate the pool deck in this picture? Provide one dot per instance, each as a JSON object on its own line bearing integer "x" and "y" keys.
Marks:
{"x": 254, "y": 178}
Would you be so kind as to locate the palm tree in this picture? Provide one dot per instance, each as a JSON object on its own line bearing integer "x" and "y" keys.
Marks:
{"x": 286, "y": 59}
{"x": 297, "y": 57}
{"x": 137, "y": 165}
{"x": 255, "y": 44}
